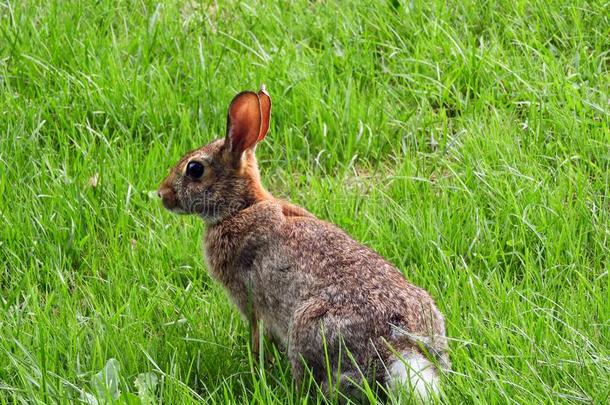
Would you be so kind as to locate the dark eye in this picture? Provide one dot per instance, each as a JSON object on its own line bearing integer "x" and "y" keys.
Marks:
{"x": 194, "y": 170}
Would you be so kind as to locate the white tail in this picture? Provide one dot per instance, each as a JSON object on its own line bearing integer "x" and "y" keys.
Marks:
{"x": 415, "y": 373}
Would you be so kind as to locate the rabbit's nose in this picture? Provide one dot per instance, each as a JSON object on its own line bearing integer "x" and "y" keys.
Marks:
{"x": 167, "y": 196}
{"x": 163, "y": 191}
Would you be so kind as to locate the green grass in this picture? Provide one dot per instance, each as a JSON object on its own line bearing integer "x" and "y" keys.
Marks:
{"x": 466, "y": 141}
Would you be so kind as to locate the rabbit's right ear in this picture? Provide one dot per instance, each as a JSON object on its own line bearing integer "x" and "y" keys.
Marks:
{"x": 265, "y": 101}
{"x": 244, "y": 122}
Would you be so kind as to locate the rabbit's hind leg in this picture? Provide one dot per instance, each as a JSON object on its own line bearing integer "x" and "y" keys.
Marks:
{"x": 315, "y": 343}
{"x": 305, "y": 341}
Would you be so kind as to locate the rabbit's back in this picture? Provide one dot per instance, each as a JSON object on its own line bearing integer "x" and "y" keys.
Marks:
{"x": 280, "y": 261}
{"x": 346, "y": 273}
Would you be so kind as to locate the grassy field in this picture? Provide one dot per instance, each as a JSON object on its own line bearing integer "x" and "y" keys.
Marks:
{"x": 466, "y": 141}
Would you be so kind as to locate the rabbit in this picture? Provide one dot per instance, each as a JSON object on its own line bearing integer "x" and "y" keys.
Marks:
{"x": 321, "y": 295}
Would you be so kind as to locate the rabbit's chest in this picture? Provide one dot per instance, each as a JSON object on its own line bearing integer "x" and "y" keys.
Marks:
{"x": 256, "y": 275}
{"x": 274, "y": 295}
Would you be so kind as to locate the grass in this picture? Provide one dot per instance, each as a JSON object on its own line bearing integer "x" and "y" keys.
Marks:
{"x": 466, "y": 141}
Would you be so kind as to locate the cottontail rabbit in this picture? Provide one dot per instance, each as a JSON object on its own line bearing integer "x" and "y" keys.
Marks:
{"x": 323, "y": 296}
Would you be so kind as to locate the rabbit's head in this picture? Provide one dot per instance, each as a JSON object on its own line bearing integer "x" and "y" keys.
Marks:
{"x": 222, "y": 177}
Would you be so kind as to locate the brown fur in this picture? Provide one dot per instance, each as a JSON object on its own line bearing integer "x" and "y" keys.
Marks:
{"x": 308, "y": 282}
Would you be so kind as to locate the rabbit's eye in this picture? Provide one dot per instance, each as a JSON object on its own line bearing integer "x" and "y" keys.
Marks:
{"x": 194, "y": 170}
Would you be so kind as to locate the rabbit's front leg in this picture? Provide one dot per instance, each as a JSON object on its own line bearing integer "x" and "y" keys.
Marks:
{"x": 255, "y": 337}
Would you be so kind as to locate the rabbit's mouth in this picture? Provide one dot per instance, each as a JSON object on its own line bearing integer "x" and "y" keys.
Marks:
{"x": 177, "y": 210}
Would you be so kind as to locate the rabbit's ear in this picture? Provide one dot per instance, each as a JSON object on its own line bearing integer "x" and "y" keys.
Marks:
{"x": 243, "y": 123}
{"x": 265, "y": 101}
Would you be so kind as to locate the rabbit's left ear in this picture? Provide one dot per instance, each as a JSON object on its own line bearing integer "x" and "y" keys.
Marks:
{"x": 265, "y": 102}
{"x": 243, "y": 123}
